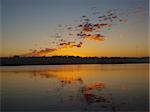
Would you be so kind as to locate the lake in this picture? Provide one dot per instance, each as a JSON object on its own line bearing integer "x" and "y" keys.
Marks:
{"x": 90, "y": 87}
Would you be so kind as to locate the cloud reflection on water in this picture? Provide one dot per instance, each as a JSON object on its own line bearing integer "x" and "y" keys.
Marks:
{"x": 88, "y": 87}
{"x": 91, "y": 94}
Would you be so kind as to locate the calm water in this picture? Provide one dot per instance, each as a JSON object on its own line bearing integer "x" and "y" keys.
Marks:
{"x": 75, "y": 87}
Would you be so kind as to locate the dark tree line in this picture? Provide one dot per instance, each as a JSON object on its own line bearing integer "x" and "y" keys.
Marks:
{"x": 16, "y": 60}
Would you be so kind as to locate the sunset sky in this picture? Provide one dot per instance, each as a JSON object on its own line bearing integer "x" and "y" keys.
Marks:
{"x": 74, "y": 27}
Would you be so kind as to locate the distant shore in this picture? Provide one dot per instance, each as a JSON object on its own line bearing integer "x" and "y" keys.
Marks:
{"x": 62, "y": 60}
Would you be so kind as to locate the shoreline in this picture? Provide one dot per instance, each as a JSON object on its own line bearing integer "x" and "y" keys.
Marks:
{"x": 70, "y": 60}
{"x": 74, "y": 64}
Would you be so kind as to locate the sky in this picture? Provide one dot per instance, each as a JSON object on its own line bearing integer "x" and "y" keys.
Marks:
{"x": 74, "y": 27}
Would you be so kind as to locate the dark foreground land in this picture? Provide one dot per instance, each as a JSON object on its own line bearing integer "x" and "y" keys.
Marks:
{"x": 54, "y": 60}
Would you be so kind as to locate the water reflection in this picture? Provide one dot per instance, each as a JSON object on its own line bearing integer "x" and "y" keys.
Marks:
{"x": 94, "y": 89}
{"x": 90, "y": 94}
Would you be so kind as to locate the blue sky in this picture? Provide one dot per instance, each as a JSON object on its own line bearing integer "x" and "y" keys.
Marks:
{"x": 30, "y": 24}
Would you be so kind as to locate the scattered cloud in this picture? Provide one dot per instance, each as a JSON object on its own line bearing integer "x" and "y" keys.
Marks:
{"x": 70, "y": 45}
{"x": 96, "y": 37}
{"x": 40, "y": 52}
{"x": 87, "y": 28}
